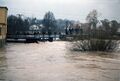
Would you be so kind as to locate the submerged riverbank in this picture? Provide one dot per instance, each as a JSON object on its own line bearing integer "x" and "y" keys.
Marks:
{"x": 53, "y": 61}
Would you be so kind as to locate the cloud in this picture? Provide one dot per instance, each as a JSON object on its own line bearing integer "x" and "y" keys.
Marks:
{"x": 71, "y": 9}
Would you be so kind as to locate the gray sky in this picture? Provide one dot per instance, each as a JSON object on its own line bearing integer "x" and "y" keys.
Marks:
{"x": 69, "y": 9}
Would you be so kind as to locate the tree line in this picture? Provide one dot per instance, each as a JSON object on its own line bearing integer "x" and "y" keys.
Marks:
{"x": 20, "y": 23}
{"x": 100, "y": 33}
{"x": 49, "y": 24}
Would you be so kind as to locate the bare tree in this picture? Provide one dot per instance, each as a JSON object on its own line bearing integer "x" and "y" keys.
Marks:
{"x": 49, "y": 22}
{"x": 92, "y": 18}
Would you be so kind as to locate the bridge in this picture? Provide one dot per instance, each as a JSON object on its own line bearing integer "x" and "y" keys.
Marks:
{"x": 54, "y": 37}
{"x": 33, "y": 38}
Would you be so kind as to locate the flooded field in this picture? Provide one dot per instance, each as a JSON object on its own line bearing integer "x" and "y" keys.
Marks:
{"x": 55, "y": 62}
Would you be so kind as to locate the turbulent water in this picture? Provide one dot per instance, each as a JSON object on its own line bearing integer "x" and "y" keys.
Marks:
{"x": 55, "y": 62}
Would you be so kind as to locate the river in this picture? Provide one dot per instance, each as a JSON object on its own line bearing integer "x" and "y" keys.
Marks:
{"x": 53, "y": 61}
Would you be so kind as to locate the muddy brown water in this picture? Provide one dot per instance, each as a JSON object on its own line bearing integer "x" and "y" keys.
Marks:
{"x": 55, "y": 62}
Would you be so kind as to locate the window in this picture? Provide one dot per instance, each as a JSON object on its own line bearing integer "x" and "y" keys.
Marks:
{"x": 0, "y": 30}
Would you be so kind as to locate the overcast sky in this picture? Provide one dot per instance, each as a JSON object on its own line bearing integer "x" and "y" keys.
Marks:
{"x": 65, "y": 9}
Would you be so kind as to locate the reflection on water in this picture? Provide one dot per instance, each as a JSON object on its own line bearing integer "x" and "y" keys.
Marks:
{"x": 54, "y": 62}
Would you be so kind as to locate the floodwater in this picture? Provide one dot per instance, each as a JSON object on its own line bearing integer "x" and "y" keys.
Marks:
{"x": 53, "y": 61}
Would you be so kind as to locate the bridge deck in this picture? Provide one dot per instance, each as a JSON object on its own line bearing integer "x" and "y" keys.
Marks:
{"x": 31, "y": 36}
{"x": 72, "y": 37}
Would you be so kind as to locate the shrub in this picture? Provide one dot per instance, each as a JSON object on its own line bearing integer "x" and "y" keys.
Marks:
{"x": 95, "y": 45}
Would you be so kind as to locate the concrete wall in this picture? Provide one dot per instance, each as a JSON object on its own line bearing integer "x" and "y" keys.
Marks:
{"x": 3, "y": 25}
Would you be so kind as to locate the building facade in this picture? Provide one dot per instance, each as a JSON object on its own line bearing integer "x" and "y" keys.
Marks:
{"x": 3, "y": 25}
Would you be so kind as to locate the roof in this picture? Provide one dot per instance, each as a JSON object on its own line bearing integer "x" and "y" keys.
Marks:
{"x": 34, "y": 27}
{"x": 4, "y": 7}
